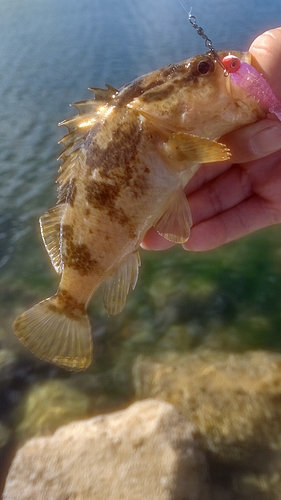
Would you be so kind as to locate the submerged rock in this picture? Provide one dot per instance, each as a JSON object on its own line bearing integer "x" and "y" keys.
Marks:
{"x": 235, "y": 402}
{"x": 148, "y": 451}
{"x": 47, "y": 406}
{"x": 7, "y": 360}
{"x": 5, "y": 434}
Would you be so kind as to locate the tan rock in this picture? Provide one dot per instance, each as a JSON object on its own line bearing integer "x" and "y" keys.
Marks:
{"x": 148, "y": 451}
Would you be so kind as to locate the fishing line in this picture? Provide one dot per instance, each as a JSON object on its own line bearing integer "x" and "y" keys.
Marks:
{"x": 208, "y": 42}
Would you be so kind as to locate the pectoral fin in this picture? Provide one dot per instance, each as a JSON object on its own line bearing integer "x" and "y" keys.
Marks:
{"x": 181, "y": 148}
{"x": 174, "y": 225}
{"x": 117, "y": 287}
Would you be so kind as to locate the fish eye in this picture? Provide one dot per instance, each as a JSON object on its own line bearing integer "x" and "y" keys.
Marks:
{"x": 205, "y": 66}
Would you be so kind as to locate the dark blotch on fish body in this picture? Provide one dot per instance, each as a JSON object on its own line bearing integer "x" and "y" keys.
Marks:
{"x": 77, "y": 256}
{"x": 67, "y": 305}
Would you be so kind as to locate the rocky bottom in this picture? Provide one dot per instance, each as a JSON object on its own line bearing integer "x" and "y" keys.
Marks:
{"x": 207, "y": 426}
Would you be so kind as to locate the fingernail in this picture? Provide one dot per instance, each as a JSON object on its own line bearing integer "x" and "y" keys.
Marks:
{"x": 267, "y": 141}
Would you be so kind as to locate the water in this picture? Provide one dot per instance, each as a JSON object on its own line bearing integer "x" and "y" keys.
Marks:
{"x": 50, "y": 52}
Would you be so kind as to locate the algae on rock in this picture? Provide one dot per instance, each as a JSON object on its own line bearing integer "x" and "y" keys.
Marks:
{"x": 49, "y": 405}
{"x": 235, "y": 402}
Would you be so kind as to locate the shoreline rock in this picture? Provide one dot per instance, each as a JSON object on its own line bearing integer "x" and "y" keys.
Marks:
{"x": 147, "y": 451}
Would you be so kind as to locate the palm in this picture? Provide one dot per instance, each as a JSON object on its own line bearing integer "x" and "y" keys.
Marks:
{"x": 235, "y": 201}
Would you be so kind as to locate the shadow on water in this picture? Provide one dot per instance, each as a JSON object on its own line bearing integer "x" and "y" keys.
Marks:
{"x": 6, "y": 456}
{"x": 244, "y": 481}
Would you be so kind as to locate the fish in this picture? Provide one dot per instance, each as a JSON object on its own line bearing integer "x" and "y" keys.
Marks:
{"x": 127, "y": 157}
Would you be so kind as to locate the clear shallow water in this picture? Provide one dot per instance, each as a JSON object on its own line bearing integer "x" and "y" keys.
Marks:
{"x": 50, "y": 52}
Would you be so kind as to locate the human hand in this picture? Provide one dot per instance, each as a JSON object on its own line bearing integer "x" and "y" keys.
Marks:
{"x": 231, "y": 199}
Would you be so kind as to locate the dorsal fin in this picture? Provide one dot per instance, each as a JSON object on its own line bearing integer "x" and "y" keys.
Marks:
{"x": 67, "y": 174}
{"x": 89, "y": 113}
{"x": 50, "y": 225}
{"x": 104, "y": 94}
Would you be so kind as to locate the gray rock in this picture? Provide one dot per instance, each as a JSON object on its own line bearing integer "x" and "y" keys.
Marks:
{"x": 148, "y": 451}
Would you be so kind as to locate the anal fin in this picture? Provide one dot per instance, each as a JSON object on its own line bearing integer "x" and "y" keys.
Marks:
{"x": 50, "y": 224}
{"x": 117, "y": 287}
{"x": 174, "y": 225}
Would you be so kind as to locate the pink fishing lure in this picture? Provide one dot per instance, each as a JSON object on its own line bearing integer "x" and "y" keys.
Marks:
{"x": 250, "y": 80}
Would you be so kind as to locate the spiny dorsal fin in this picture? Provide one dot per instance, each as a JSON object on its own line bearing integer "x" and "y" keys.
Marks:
{"x": 89, "y": 112}
{"x": 104, "y": 94}
{"x": 87, "y": 109}
{"x": 50, "y": 224}
{"x": 117, "y": 287}
{"x": 66, "y": 176}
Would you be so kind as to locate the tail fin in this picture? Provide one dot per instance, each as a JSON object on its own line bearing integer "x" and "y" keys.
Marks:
{"x": 55, "y": 336}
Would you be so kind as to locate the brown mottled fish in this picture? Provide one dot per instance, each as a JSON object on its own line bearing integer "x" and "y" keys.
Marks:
{"x": 127, "y": 157}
